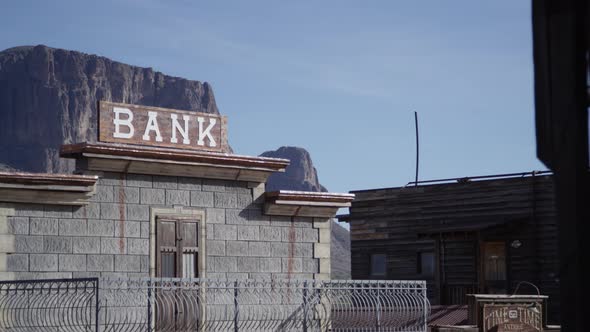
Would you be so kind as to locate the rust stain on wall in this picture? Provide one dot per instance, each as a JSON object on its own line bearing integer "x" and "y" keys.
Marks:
{"x": 291, "y": 249}
{"x": 122, "y": 213}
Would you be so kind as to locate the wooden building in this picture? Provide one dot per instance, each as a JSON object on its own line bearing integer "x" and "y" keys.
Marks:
{"x": 483, "y": 234}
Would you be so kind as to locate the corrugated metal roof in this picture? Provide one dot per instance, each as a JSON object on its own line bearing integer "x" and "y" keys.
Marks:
{"x": 448, "y": 315}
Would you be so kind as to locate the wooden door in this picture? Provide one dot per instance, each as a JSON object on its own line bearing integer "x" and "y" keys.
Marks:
{"x": 493, "y": 260}
{"x": 189, "y": 248}
{"x": 177, "y": 244}
{"x": 177, "y": 248}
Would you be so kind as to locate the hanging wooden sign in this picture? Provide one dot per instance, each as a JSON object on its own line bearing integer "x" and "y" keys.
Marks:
{"x": 512, "y": 317}
{"x": 154, "y": 126}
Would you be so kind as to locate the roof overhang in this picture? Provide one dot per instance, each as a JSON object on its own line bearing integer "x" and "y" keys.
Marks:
{"x": 173, "y": 162}
{"x": 39, "y": 188}
{"x": 305, "y": 204}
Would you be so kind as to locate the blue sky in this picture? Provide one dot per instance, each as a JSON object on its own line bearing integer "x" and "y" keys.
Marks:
{"x": 339, "y": 78}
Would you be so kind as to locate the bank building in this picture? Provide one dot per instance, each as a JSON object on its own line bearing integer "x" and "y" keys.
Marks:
{"x": 159, "y": 195}
{"x": 162, "y": 227}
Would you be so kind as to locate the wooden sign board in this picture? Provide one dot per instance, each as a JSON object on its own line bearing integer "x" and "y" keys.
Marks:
{"x": 162, "y": 127}
{"x": 512, "y": 317}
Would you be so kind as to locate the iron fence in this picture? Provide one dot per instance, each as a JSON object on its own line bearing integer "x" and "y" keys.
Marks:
{"x": 215, "y": 305}
{"x": 49, "y": 305}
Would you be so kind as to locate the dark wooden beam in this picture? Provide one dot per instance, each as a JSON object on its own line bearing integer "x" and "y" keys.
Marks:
{"x": 560, "y": 35}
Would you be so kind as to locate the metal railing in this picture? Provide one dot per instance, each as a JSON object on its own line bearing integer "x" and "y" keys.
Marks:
{"x": 219, "y": 305}
{"x": 49, "y": 305}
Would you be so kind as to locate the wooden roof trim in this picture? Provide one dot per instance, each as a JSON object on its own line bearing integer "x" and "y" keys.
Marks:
{"x": 305, "y": 204}
{"x": 309, "y": 198}
{"x": 420, "y": 217}
{"x": 456, "y": 182}
{"x": 169, "y": 154}
{"x": 45, "y": 179}
{"x": 39, "y": 188}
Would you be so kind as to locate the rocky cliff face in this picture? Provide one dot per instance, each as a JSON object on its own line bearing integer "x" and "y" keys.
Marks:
{"x": 48, "y": 97}
{"x": 302, "y": 175}
{"x": 299, "y": 175}
{"x": 340, "y": 252}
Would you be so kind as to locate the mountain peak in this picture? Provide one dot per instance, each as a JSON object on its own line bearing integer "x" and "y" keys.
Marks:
{"x": 300, "y": 174}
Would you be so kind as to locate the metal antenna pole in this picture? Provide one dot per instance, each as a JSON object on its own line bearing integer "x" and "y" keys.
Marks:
{"x": 417, "y": 148}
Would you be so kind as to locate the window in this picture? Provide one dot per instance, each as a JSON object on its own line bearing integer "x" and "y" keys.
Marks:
{"x": 378, "y": 265}
{"x": 177, "y": 248}
{"x": 425, "y": 264}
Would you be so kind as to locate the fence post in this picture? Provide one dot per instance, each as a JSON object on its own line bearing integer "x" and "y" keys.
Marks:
{"x": 149, "y": 306}
{"x": 236, "y": 307}
{"x": 305, "y": 304}
{"x": 426, "y": 306}
{"x": 378, "y": 308}
{"x": 96, "y": 309}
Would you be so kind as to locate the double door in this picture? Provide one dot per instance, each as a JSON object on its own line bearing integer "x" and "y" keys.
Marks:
{"x": 177, "y": 248}
{"x": 177, "y": 308}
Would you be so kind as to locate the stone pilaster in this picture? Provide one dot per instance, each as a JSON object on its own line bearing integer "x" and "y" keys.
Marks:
{"x": 7, "y": 245}
{"x": 321, "y": 249}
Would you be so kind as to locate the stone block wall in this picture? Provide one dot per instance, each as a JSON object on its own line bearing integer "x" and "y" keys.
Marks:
{"x": 110, "y": 237}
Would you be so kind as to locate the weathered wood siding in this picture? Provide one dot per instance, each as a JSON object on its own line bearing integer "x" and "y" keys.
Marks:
{"x": 400, "y": 222}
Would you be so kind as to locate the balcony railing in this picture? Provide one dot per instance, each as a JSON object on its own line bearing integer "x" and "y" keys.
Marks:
{"x": 212, "y": 305}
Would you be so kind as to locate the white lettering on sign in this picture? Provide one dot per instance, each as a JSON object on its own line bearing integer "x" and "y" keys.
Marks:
{"x": 511, "y": 318}
{"x": 206, "y": 132}
{"x": 176, "y": 126}
{"x": 145, "y": 125}
{"x": 120, "y": 122}
{"x": 152, "y": 125}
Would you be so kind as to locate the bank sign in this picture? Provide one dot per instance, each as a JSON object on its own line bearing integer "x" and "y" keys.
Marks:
{"x": 512, "y": 317}
{"x": 144, "y": 125}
